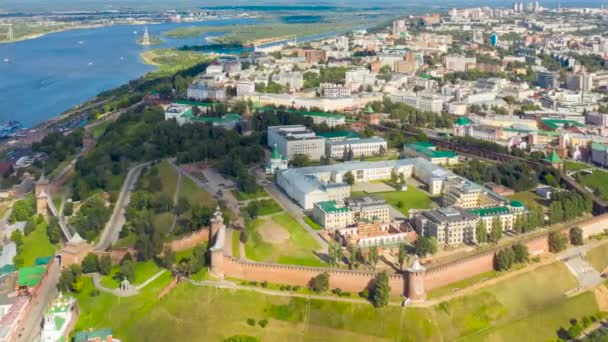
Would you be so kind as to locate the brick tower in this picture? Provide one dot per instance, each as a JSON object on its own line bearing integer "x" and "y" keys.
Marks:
{"x": 415, "y": 281}
{"x": 42, "y": 196}
{"x": 217, "y": 234}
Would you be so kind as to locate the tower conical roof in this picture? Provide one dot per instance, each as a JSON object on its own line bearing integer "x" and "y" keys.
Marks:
{"x": 275, "y": 153}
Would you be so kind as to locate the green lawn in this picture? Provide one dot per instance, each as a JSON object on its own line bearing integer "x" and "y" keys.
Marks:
{"x": 598, "y": 257}
{"x": 195, "y": 194}
{"x": 528, "y": 307}
{"x": 244, "y": 196}
{"x": 143, "y": 271}
{"x": 269, "y": 207}
{"x": 412, "y": 198}
{"x": 453, "y": 287}
{"x": 162, "y": 222}
{"x": 312, "y": 223}
{"x": 597, "y": 181}
{"x": 575, "y": 166}
{"x": 297, "y": 249}
{"x": 36, "y": 245}
{"x": 168, "y": 177}
{"x": 100, "y": 129}
{"x": 530, "y": 199}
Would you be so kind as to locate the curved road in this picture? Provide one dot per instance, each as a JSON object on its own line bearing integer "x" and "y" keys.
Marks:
{"x": 109, "y": 235}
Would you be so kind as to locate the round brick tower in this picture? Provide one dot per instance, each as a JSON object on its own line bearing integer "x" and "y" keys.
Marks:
{"x": 415, "y": 281}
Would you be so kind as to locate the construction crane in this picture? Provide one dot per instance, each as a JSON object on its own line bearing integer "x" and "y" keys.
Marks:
{"x": 9, "y": 33}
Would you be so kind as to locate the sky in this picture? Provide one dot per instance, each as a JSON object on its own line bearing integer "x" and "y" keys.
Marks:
{"x": 69, "y": 5}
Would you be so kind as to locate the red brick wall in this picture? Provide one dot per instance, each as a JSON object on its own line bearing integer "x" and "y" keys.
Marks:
{"x": 346, "y": 280}
{"x": 474, "y": 265}
{"x": 189, "y": 241}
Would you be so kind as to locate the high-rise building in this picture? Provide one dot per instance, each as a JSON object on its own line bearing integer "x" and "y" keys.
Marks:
{"x": 547, "y": 79}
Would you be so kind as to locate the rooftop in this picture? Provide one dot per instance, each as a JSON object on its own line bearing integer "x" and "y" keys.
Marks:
{"x": 331, "y": 207}
{"x": 338, "y": 134}
{"x": 30, "y": 276}
{"x": 482, "y": 212}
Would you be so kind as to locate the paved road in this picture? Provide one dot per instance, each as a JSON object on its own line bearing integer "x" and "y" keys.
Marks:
{"x": 30, "y": 326}
{"x": 575, "y": 261}
{"x": 117, "y": 220}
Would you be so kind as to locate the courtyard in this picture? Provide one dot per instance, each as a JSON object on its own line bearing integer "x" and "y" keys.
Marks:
{"x": 281, "y": 239}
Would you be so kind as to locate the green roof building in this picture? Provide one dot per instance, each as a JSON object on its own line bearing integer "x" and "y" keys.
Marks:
{"x": 554, "y": 160}
{"x": 338, "y": 135}
{"x": 428, "y": 151}
{"x": 462, "y": 121}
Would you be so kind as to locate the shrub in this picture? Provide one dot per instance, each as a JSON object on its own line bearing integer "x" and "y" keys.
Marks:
{"x": 364, "y": 294}
{"x": 320, "y": 283}
{"x": 251, "y": 321}
{"x": 264, "y": 284}
{"x": 94, "y": 293}
{"x": 263, "y": 323}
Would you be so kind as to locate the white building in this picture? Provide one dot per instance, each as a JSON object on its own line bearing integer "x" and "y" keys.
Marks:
{"x": 292, "y": 80}
{"x": 359, "y": 78}
{"x": 309, "y": 185}
{"x": 334, "y": 215}
{"x": 245, "y": 88}
{"x": 360, "y": 147}
{"x": 176, "y": 111}
{"x": 457, "y": 62}
{"x": 296, "y": 139}
{"x": 332, "y": 90}
{"x": 422, "y": 101}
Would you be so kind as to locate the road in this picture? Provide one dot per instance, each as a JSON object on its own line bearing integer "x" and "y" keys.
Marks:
{"x": 110, "y": 232}
{"x": 30, "y": 326}
{"x": 575, "y": 261}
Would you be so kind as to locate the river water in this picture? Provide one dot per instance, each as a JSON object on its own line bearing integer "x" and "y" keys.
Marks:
{"x": 48, "y": 75}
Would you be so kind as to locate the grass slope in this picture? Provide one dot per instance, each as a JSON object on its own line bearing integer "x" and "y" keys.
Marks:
{"x": 143, "y": 271}
{"x": 529, "y": 307}
{"x": 36, "y": 245}
{"x": 598, "y": 257}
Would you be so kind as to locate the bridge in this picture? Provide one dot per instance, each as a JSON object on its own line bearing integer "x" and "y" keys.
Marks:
{"x": 45, "y": 205}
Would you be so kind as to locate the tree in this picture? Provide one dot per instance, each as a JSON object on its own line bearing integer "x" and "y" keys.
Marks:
{"x": 335, "y": 253}
{"x": 556, "y": 213}
{"x": 373, "y": 256}
{"x": 381, "y": 290}
{"x": 576, "y": 236}
{"x": 496, "y": 232}
{"x": 127, "y": 270}
{"x": 402, "y": 256}
{"x": 30, "y": 226}
{"x": 557, "y": 242}
{"x": 520, "y": 252}
{"x": 243, "y": 236}
{"x": 68, "y": 208}
{"x": 425, "y": 246}
{"x": 320, "y": 283}
{"x": 17, "y": 238}
{"x": 23, "y": 209}
{"x": 53, "y": 231}
{"x": 252, "y": 209}
{"x": 105, "y": 265}
{"x": 504, "y": 259}
{"x": 481, "y": 232}
{"x": 182, "y": 206}
{"x": 349, "y": 178}
{"x": 90, "y": 263}
{"x": 300, "y": 160}
{"x": 352, "y": 256}
{"x": 168, "y": 257}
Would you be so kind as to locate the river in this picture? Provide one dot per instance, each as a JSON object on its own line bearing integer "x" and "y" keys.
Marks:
{"x": 48, "y": 75}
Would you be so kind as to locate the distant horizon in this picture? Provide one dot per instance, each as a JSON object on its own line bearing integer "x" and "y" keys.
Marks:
{"x": 76, "y": 5}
